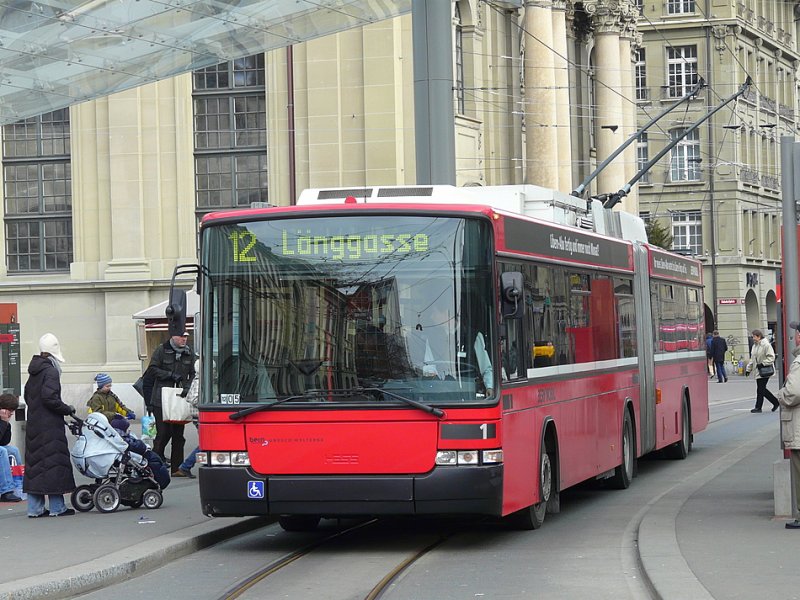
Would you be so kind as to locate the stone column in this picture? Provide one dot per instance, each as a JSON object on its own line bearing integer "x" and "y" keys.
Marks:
{"x": 561, "y": 71}
{"x": 609, "y": 123}
{"x": 541, "y": 140}
{"x": 626, "y": 44}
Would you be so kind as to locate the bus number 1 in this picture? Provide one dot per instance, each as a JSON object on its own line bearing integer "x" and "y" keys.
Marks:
{"x": 485, "y": 430}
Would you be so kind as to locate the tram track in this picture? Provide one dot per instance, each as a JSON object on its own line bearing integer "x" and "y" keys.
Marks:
{"x": 259, "y": 576}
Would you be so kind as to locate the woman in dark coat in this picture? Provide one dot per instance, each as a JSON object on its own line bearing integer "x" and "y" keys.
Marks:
{"x": 48, "y": 469}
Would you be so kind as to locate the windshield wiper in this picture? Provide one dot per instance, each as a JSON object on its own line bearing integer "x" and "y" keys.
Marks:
{"x": 437, "y": 412}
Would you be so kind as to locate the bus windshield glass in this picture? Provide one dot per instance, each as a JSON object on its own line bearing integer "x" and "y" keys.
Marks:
{"x": 349, "y": 309}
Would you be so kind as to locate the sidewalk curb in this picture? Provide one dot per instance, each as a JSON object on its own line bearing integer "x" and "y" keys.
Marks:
{"x": 663, "y": 565}
{"x": 123, "y": 564}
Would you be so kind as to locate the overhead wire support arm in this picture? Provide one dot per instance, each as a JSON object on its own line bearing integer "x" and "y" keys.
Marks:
{"x": 613, "y": 199}
{"x": 578, "y": 191}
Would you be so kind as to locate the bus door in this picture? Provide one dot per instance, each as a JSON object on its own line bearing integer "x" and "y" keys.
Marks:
{"x": 646, "y": 349}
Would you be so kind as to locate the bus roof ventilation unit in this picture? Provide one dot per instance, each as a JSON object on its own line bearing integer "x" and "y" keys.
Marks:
{"x": 398, "y": 192}
{"x": 340, "y": 193}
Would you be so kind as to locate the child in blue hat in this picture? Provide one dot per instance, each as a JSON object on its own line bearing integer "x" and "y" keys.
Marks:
{"x": 106, "y": 401}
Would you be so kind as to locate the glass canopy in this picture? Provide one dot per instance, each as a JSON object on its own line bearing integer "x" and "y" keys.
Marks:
{"x": 55, "y": 53}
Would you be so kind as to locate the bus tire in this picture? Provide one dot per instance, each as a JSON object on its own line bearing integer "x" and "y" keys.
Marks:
{"x": 532, "y": 517}
{"x": 680, "y": 449}
{"x": 298, "y": 523}
{"x": 623, "y": 473}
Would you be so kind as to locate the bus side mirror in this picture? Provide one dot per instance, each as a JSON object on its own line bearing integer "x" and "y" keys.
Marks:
{"x": 512, "y": 286}
{"x": 176, "y": 311}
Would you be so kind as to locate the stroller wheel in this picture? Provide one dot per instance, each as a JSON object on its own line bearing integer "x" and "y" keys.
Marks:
{"x": 106, "y": 498}
{"x": 82, "y": 499}
{"x": 152, "y": 498}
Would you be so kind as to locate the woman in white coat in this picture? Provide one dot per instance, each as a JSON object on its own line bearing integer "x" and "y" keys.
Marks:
{"x": 762, "y": 355}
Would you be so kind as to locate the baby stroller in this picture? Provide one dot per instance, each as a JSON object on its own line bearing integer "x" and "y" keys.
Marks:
{"x": 120, "y": 476}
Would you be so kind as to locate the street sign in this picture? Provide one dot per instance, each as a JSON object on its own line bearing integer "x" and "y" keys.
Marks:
{"x": 728, "y": 301}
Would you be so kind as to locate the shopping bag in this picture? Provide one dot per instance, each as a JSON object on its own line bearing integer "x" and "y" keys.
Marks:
{"x": 17, "y": 474}
{"x": 174, "y": 407}
{"x": 148, "y": 427}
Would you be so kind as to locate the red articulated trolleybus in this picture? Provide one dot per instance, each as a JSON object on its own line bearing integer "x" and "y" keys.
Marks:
{"x": 438, "y": 350}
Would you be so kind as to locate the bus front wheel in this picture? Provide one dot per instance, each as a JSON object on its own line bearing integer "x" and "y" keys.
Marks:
{"x": 532, "y": 517}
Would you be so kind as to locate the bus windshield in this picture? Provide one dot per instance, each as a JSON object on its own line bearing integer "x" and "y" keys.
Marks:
{"x": 348, "y": 309}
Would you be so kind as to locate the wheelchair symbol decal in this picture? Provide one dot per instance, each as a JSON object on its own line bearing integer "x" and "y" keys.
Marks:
{"x": 255, "y": 489}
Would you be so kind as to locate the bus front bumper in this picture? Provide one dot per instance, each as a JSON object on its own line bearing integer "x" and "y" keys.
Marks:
{"x": 238, "y": 491}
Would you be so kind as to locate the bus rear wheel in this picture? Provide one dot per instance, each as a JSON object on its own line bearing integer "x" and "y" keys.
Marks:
{"x": 623, "y": 474}
{"x": 298, "y": 522}
{"x": 532, "y": 517}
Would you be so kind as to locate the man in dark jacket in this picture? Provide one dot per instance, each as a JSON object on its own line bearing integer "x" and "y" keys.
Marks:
{"x": 48, "y": 469}
{"x": 718, "y": 349}
{"x": 172, "y": 365}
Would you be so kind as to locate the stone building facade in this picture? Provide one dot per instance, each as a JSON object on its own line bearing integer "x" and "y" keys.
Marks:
{"x": 719, "y": 193}
{"x": 101, "y": 201}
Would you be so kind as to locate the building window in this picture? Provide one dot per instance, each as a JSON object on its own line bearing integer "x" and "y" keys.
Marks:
{"x": 459, "y": 74}
{"x": 687, "y": 232}
{"x": 640, "y": 73}
{"x": 685, "y": 161}
{"x": 230, "y": 134}
{"x": 681, "y": 70}
{"x": 37, "y": 184}
{"x": 642, "y": 157}
{"x": 679, "y": 7}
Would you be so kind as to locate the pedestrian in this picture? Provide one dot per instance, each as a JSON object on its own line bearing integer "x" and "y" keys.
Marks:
{"x": 193, "y": 397}
{"x": 172, "y": 365}
{"x": 762, "y": 358}
{"x": 789, "y": 398}
{"x": 710, "y": 356}
{"x": 48, "y": 469}
{"x": 8, "y": 404}
{"x": 718, "y": 349}
{"x": 106, "y": 401}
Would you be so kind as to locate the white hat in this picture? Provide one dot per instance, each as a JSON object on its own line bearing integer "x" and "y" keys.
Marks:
{"x": 49, "y": 343}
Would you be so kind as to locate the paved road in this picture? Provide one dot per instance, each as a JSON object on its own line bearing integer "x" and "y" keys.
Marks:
{"x": 695, "y": 529}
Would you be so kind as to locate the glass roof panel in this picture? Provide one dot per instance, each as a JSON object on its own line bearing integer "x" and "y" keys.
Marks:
{"x": 55, "y": 53}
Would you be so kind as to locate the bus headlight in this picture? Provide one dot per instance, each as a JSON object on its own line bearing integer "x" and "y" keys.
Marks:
{"x": 228, "y": 459}
{"x": 469, "y": 457}
{"x": 220, "y": 459}
{"x": 240, "y": 459}
{"x": 492, "y": 457}
{"x": 202, "y": 458}
{"x": 446, "y": 457}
